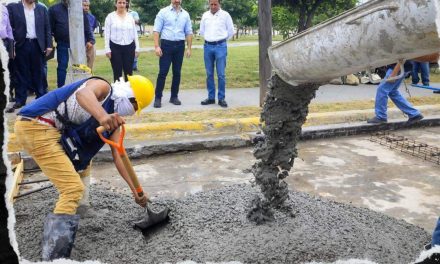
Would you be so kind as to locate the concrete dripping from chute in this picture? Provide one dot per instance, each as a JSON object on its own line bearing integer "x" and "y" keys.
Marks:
{"x": 284, "y": 112}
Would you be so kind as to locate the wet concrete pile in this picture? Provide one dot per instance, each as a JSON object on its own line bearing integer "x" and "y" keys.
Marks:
{"x": 284, "y": 112}
{"x": 212, "y": 226}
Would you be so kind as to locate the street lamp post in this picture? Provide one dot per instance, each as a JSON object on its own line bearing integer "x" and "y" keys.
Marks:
{"x": 265, "y": 41}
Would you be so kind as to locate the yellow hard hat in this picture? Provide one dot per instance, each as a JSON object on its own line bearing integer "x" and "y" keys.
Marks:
{"x": 143, "y": 90}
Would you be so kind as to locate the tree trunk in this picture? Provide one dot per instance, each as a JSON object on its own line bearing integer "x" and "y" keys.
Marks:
{"x": 311, "y": 13}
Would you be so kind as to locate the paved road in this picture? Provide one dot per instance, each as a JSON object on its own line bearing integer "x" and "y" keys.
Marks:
{"x": 250, "y": 96}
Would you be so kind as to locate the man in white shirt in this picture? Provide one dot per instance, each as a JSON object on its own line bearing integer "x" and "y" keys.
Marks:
{"x": 216, "y": 27}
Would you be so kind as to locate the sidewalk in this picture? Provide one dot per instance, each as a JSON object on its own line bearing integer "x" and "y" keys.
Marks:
{"x": 242, "y": 97}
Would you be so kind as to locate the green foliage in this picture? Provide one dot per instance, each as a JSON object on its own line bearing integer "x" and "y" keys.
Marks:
{"x": 311, "y": 12}
{"x": 284, "y": 21}
{"x": 101, "y": 8}
{"x": 243, "y": 12}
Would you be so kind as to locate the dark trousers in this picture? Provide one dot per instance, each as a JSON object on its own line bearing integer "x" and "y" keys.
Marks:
{"x": 29, "y": 62}
{"x": 122, "y": 59}
{"x": 172, "y": 52}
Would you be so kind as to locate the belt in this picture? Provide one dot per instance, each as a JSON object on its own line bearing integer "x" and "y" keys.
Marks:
{"x": 215, "y": 42}
{"x": 30, "y": 39}
{"x": 39, "y": 119}
{"x": 173, "y": 41}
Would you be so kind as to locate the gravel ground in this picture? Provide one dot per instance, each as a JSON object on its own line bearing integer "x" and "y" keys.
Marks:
{"x": 212, "y": 226}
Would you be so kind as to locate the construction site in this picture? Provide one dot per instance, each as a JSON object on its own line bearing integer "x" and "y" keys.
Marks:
{"x": 285, "y": 187}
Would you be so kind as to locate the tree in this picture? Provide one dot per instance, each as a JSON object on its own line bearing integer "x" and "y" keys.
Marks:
{"x": 100, "y": 9}
{"x": 243, "y": 12}
{"x": 307, "y": 9}
{"x": 284, "y": 21}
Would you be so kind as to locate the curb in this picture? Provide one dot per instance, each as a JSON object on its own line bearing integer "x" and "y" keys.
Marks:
{"x": 245, "y": 140}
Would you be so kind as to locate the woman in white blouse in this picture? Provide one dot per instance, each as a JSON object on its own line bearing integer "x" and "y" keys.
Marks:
{"x": 121, "y": 40}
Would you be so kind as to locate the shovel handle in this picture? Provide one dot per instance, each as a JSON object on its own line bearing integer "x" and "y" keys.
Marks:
{"x": 132, "y": 174}
{"x": 123, "y": 154}
{"x": 117, "y": 145}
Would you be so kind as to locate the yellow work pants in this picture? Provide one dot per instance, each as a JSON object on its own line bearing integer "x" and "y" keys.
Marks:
{"x": 42, "y": 142}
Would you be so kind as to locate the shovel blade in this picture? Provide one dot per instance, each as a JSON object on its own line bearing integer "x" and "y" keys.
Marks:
{"x": 151, "y": 219}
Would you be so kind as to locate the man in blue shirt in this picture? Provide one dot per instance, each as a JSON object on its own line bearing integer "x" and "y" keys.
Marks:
{"x": 173, "y": 25}
{"x": 59, "y": 23}
{"x": 91, "y": 52}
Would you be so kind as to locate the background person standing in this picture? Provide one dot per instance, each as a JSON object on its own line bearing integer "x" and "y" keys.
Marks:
{"x": 121, "y": 40}
{"x": 30, "y": 26}
{"x": 216, "y": 27}
{"x": 172, "y": 25}
{"x": 91, "y": 52}
{"x": 59, "y": 23}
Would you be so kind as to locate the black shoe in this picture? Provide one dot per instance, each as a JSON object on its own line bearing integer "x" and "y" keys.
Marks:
{"x": 415, "y": 119}
{"x": 208, "y": 101}
{"x": 426, "y": 84}
{"x": 175, "y": 101}
{"x": 222, "y": 103}
{"x": 436, "y": 91}
{"x": 376, "y": 120}
{"x": 157, "y": 103}
{"x": 10, "y": 110}
{"x": 17, "y": 105}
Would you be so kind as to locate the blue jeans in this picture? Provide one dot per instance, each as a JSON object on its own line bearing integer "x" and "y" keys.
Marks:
{"x": 423, "y": 67}
{"x": 215, "y": 54}
{"x": 63, "y": 60}
{"x": 391, "y": 89}
{"x": 436, "y": 234}
{"x": 172, "y": 52}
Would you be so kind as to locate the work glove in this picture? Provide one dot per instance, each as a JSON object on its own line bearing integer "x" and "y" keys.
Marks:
{"x": 142, "y": 200}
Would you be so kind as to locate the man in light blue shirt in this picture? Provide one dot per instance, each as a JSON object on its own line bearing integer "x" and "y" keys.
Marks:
{"x": 172, "y": 26}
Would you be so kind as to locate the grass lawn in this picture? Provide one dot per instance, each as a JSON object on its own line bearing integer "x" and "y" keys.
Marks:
{"x": 241, "y": 71}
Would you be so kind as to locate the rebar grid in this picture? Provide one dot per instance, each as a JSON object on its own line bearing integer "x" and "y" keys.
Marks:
{"x": 406, "y": 145}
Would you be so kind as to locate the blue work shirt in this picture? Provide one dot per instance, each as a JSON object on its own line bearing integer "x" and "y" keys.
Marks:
{"x": 173, "y": 25}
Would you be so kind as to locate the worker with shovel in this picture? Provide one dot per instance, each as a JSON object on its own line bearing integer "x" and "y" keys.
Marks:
{"x": 59, "y": 131}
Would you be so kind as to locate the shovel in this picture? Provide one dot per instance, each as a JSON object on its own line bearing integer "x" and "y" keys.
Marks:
{"x": 150, "y": 218}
